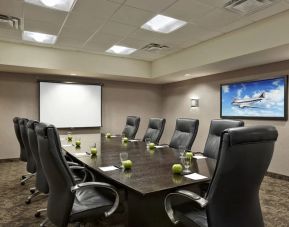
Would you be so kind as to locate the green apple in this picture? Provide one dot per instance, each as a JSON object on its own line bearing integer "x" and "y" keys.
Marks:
{"x": 125, "y": 139}
{"x": 127, "y": 164}
{"x": 69, "y": 137}
{"x": 177, "y": 168}
{"x": 151, "y": 145}
{"x": 108, "y": 135}
{"x": 93, "y": 151}
{"x": 189, "y": 154}
{"x": 77, "y": 143}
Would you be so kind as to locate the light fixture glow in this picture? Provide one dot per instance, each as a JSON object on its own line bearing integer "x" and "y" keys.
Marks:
{"x": 116, "y": 49}
{"x": 163, "y": 24}
{"x": 63, "y": 5}
{"x": 38, "y": 37}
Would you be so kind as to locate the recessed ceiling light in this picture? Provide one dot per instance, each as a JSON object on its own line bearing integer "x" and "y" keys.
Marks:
{"x": 63, "y": 5}
{"x": 73, "y": 74}
{"x": 38, "y": 37}
{"x": 187, "y": 75}
{"x": 116, "y": 49}
{"x": 163, "y": 24}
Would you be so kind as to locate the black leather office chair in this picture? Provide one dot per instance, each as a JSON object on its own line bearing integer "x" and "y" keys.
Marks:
{"x": 80, "y": 173}
{"x": 131, "y": 127}
{"x": 216, "y": 128}
{"x": 185, "y": 133}
{"x": 155, "y": 129}
{"x": 233, "y": 197}
{"x": 23, "y": 155}
{"x": 30, "y": 165}
{"x": 69, "y": 201}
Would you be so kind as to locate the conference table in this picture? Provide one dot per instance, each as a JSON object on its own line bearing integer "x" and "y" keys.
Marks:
{"x": 148, "y": 181}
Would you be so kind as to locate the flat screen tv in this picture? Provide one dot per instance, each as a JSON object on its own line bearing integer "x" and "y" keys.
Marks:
{"x": 258, "y": 99}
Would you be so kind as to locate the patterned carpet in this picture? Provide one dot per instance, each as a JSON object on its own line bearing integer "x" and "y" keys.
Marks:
{"x": 14, "y": 212}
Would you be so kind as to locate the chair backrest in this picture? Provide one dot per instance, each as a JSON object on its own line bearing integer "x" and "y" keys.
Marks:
{"x": 216, "y": 128}
{"x": 233, "y": 195}
{"x": 185, "y": 133}
{"x": 30, "y": 167}
{"x": 131, "y": 127}
{"x": 41, "y": 182}
{"x": 155, "y": 129}
{"x": 58, "y": 175}
{"x": 23, "y": 156}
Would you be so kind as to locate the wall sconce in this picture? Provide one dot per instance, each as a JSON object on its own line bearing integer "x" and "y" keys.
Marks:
{"x": 194, "y": 103}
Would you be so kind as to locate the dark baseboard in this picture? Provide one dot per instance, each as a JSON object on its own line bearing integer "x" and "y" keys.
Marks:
{"x": 277, "y": 176}
{"x": 9, "y": 160}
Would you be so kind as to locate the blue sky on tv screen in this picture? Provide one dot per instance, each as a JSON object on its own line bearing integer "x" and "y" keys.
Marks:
{"x": 243, "y": 99}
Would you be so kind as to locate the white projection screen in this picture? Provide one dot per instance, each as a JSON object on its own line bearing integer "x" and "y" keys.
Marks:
{"x": 69, "y": 105}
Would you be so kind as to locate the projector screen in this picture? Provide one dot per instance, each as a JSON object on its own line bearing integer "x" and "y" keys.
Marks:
{"x": 68, "y": 105}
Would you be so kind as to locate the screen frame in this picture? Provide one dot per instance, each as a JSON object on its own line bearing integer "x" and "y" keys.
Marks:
{"x": 284, "y": 118}
{"x": 70, "y": 82}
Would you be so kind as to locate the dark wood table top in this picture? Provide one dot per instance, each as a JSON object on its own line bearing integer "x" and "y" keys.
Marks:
{"x": 151, "y": 171}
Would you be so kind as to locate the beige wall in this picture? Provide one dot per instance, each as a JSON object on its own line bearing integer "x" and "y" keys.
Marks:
{"x": 176, "y": 103}
{"x": 19, "y": 97}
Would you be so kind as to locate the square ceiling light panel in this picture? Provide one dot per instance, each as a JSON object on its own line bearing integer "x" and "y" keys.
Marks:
{"x": 163, "y": 24}
{"x": 38, "y": 37}
{"x": 116, "y": 49}
{"x": 63, "y": 5}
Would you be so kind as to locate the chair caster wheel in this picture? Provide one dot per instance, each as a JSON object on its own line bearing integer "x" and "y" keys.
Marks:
{"x": 23, "y": 177}
{"x": 32, "y": 190}
{"x": 28, "y": 201}
{"x": 22, "y": 183}
{"x": 37, "y": 214}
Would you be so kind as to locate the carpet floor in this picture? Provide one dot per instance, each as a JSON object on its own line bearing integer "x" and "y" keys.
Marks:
{"x": 274, "y": 196}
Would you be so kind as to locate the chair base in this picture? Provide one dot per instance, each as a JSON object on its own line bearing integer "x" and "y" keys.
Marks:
{"x": 38, "y": 212}
{"x": 35, "y": 194}
{"x": 26, "y": 177}
{"x": 42, "y": 224}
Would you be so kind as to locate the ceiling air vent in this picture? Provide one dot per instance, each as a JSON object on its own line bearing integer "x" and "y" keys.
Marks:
{"x": 247, "y": 6}
{"x": 9, "y": 22}
{"x": 154, "y": 47}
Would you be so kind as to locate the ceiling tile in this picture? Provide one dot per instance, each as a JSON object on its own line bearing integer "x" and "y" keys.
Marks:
{"x": 118, "y": 1}
{"x": 101, "y": 42}
{"x": 35, "y": 17}
{"x": 149, "y": 36}
{"x": 191, "y": 31}
{"x": 34, "y": 12}
{"x": 217, "y": 19}
{"x": 189, "y": 43}
{"x": 10, "y": 35}
{"x": 73, "y": 36}
{"x": 132, "y": 16}
{"x": 150, "y": 5}
{"x": 269, "y": 11}
{"x": 41, "y": 26}
{"x": 89, "y": 21}
{"x": 217, "y": 3}
{"x": 134, "y": 43}
{"x": 236, "y": 25}
{"x": 100, "y": 8}
{"x": 116, "y": 28}
{"x": 11, "y": 8}
{"x": 188, "y": 10}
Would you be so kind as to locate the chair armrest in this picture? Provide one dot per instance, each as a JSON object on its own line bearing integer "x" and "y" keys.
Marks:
{"x": 201, "y": 202}
{"x": 86, "y": 171}
{"x": 100, "y": 185}
{"x": 72, "y": 163}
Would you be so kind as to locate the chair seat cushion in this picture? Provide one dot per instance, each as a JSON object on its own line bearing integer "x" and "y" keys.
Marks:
{"x": 189, "y": 215}
{"x": 89, "y": 204}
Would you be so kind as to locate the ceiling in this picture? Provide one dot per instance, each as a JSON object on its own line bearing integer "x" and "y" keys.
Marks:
{"x": 93, "y": 26}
